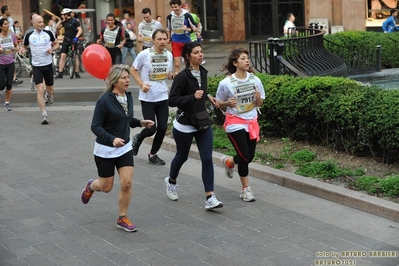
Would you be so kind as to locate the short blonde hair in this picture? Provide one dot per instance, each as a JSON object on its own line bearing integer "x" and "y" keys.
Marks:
{"x": 114, "y": 75}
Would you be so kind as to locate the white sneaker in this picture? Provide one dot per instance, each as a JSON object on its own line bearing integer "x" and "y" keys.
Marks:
{"x": 171, "y": 190}
{"x": 213, "y": 203}
{"x": 247, "y": 195}
{"x": 229, "y": 172}
{"x": 45, "y": 119}
{"x": 50, "y": 98}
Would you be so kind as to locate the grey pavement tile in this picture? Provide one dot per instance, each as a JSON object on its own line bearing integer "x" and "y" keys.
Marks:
{"x": 25, "y": 252}
{"x": 6, "y": 253}
{"x": 13, "y": 262}
{"x": 334, "y": 243}
{"x": 94, "y": 259}
{"x": 282, "y": 246}
{"x": 219, "y": 260}
{"x": 152, "y": 257}
{"x": 275, "y": 232}
{"x": 251, "y": 259}
{"x": 38, "y": 260}
{"x": 74, "y": 248}
{"x": 283, "y": 260}
{"x": 5, "y": 234}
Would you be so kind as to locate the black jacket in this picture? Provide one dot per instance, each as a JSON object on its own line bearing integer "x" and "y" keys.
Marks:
{"x": 182, "y": 94}
{"x": 110, "y": 120}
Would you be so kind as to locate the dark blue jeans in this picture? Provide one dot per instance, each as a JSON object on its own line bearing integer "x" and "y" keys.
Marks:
{"x": 204, "y": 141}
{"x": 160, "y": 111}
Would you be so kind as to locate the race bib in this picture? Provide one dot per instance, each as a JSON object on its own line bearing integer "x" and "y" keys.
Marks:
{"x": 177, "y": 25}
{"x": 110, "y": 38}
{"x": 159, "y": 66}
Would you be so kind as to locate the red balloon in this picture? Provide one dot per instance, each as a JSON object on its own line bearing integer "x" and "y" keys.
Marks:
{"x": 97, "y": 61}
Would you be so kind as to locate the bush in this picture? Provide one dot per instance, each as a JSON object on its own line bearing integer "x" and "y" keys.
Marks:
{"x": 368, "y": 41}
{"x": 337, "y": 112}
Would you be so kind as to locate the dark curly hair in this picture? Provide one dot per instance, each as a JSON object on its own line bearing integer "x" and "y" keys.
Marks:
{"x": 233, "y": 57}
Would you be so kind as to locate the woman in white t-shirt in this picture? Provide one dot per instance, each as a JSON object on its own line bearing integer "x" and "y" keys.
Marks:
{"x": 241, "y": 93}
{"x": 289, "y": 26}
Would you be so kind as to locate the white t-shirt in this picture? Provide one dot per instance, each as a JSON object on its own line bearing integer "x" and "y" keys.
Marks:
{"x": 159, "y": 89}
{"x": 146, "y": 29}
{"x": 226, "y": 91}
{"x": 289, "y": 27}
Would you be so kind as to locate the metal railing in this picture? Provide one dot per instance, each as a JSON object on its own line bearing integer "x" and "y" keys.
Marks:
{"x": 301, "y": 53}
{"x": 363, "y": 61}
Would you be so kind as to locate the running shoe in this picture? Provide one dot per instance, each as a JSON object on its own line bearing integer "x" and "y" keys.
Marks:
{"x": 86, "y": 193}
{"x": 77, "y": 75}
{"x": 45, "y": 119}
{"x": 7, "y": 107}
{"x": 59, "y": 75}
{"x": 247, "y": 195}
{"x": 229, "y": 172}
{"x": 155, "y": 159}
{"x": 50, "y": 98}
{"x": 171, "y": 189}
{"x": 136, "y": 144}
{"x": 32, "y": 85}
{"x": 213, "y": 203}
{"x": 126, "y": 225}
{"x": 17, "y": 81}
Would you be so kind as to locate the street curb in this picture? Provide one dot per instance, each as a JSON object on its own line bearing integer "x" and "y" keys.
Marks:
{"x": 346, "y": 197}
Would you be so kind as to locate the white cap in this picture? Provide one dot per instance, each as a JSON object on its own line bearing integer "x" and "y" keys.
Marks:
{"x": 66, "y": 11}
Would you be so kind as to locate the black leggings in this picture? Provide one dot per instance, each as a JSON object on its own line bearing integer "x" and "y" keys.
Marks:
{"x": 150, "y": 110}
{"x": 6, "y": 76}
{"x": 245, "y": 149}
{"x": 116, "y": 55}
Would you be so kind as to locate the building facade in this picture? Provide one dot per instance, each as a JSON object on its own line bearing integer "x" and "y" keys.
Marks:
{"x": 229, "y": 20}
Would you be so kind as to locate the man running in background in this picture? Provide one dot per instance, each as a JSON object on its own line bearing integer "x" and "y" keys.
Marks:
{"x": 179, "y": 26}
{"x": 146, "y": 28}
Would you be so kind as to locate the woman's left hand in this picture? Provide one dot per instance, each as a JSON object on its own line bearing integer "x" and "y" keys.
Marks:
{"x": 147, "y": 123}
{"x": 213, "y": 101}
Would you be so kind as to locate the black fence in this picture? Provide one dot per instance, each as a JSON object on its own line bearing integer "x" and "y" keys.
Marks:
{"x": 304, "y": 52}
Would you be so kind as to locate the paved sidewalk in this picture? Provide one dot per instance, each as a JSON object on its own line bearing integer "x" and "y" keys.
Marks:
{"x": 43, "y": 222}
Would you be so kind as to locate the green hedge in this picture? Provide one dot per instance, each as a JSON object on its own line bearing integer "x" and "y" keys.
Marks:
{"x": 368, "y": 40}
{"x": 337, "y": 112}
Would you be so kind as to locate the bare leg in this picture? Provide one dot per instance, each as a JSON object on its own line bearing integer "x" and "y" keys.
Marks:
{"x": 40, "y": 98}
{"x": 8, "y": 94}
{"x": 125, "y": 194}
{"x": 176, "y": 61}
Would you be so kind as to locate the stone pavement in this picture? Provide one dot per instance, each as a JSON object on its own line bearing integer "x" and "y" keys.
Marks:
{"x": 43, "y": 222}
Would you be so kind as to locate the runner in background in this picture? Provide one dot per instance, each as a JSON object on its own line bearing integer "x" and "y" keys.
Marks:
{"x": 179, "y": 25}
{"x": 146, "y": 28}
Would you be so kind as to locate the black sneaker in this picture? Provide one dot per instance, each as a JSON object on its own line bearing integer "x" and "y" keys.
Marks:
{"x": 155, "y": 159}
{"x": 17, "y": 81}
{"x": 136, "y": 144}
{"x": 59, "y": 75}
{"x": 77, "y": 75}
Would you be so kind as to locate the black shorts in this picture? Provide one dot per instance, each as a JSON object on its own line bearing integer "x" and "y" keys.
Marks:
{"x": 65, "y": 46}
{"x": 46, "y": 72}
{"x": 106, "y": 166}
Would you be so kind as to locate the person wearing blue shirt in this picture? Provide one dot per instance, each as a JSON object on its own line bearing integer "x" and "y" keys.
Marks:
{"x": 389, "y": 25}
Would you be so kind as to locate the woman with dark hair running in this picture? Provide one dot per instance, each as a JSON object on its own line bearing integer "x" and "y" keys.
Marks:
{"x": 113, "y": 38}
{"x": 188, "y": 93}
{"x": 8, "y": 46}
{"x": 241, "y": 93}
{"x": 111, "y": 123}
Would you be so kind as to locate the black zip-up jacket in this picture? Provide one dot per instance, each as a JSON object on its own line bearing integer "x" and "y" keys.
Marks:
{"x": 110, "y": 120}
{"x": 182, "y": 93}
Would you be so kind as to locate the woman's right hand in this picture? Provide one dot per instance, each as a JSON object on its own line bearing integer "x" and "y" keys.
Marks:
{"x": 118, "y": 142}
